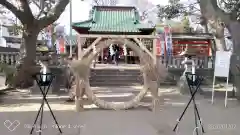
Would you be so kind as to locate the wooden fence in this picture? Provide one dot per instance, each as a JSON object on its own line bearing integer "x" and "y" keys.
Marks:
{"x": 203, "y": 62}
{"x": 11, "y": 58}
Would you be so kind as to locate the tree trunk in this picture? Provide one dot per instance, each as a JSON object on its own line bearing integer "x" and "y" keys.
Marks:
{"x": 206, "y": 28}
{"x": 211, "y": 10}
{"x": 219, "y": 34}
{"x": 27, "y": 66}
{"x": 234, "y": 29}
{"x": 221, "y": 45}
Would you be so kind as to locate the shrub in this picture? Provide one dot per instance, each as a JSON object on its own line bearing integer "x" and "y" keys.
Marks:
{"x": 9, "y": 73}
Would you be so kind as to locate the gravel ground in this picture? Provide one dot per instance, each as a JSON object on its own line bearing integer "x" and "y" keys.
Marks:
{"x": 217, "y": 119}
{"x": 17, "y": 116}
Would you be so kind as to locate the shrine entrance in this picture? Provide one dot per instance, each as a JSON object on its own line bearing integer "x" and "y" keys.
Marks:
{"x": 109, "y": 31}
{"x": 113, "y": 20}
{"x": 125, "y": 55}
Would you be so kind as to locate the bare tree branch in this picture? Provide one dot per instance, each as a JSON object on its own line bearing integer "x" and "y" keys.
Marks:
{"x": 96, "y": 2}
{"x": 235, "y": 11}
{"x": 54, "y": 14}
{"x": 24, "y": 14}
{"x": 39, "y": 7}
{"x": 36, "y": 3}
{"x": 211, "y": 10}
{"x": 26, "y": 8}
{"x": 18, "y": 13}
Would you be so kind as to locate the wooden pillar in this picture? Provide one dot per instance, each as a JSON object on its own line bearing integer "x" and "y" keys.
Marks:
{"x": 77, "y": 89}
{"x": 154, "y": 50}
{"x": 102, "y": 59}
{"x": 90, "y": 48}
{"x": 125, "y": 53}
{"x": 79, "y": 47}
{"x": 143, "y": 47}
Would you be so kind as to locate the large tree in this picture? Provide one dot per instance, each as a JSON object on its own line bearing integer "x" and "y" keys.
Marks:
{"x": 228, "y": 12}
{"x": 219, "y": 14}
{"x": 49, "y": 12}
{"x": 175, "y": 9}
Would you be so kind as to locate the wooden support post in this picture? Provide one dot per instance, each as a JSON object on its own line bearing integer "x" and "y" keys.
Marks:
{"x": 90, "y": 47}
{"x": 102, "y": 58}
{"x": 79, "y": 47}
{"x": 144, "y": 48}
{"x": 77, "y": 96}
{"x": 80, "y": 91}
{"x": 155, "y": 51}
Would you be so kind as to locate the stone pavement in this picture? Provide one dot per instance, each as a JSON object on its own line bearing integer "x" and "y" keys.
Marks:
{"x": 217, "y": 120}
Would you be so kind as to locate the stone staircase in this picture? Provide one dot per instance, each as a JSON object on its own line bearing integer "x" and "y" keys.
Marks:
{"x": 115, "y": 77}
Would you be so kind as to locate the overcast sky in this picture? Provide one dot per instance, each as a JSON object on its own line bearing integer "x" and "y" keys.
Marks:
{"x": 81, "y": 9}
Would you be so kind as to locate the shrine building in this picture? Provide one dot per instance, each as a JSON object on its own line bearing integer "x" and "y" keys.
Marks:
{"x": 118, "y": 21}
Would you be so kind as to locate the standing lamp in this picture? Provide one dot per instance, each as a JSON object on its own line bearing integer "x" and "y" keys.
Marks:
{"x": 44, "y": 81}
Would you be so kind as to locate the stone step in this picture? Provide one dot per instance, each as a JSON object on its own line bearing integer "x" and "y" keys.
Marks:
{"x": 98, "y": 84}
{"x": 119, "y": 75}
{"x": 116, "y": 81}
{"x": 116, "y": 70}
{"x": 115, "y": 73}
{"x": 117, "y": 78}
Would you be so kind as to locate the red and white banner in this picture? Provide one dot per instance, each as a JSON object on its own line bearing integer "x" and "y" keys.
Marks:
{"x": 61, "y": 45}
{"x": 160, "y": 46}
{"x": 48, "y": 36}
{"x": 168, "y": 40}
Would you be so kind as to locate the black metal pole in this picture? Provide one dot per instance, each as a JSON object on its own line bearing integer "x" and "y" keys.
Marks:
{"x": 40, "y": 130}
{"x": 53, "y": 116}
{"x": 195, "y": 79}
{"x": 196, "y": 111}
{"x": 45, "y": 99}
{"x": 44, "y": 92}
{"x": 35, "y": 121}
{"x": 195, "y": 117}
{"x": 191, "y": 83}
{"x": 186, "y": 107}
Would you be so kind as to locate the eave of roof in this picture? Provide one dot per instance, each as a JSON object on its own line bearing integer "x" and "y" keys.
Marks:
{"x": 116, "y": 20}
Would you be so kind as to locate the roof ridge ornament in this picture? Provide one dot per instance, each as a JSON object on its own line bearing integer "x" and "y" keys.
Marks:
{"x": 134, "y": 15}
{"x": 94, "y": 15}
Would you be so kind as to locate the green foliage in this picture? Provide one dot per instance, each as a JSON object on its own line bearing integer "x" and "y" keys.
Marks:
{"x": 170, "y": 11}
{"x": 232, "y": 7}
{"x": 15, "y": 29}
{"x": 42, "y": 48}
{"x": 176, "y": 9}
{"x": 9, "y": 73}
{"x": 186, "y": 25}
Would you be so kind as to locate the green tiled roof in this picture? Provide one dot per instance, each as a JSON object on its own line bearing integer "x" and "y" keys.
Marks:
{"x": 113, "y": 19}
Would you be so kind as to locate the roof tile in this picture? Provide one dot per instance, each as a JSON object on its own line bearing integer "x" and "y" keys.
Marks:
{"x": 113, "y": 19}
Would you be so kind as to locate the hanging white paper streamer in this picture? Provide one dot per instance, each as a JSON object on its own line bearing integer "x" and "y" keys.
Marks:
{"x": 111, "y": 49}
{"x": 124, "y": 50}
